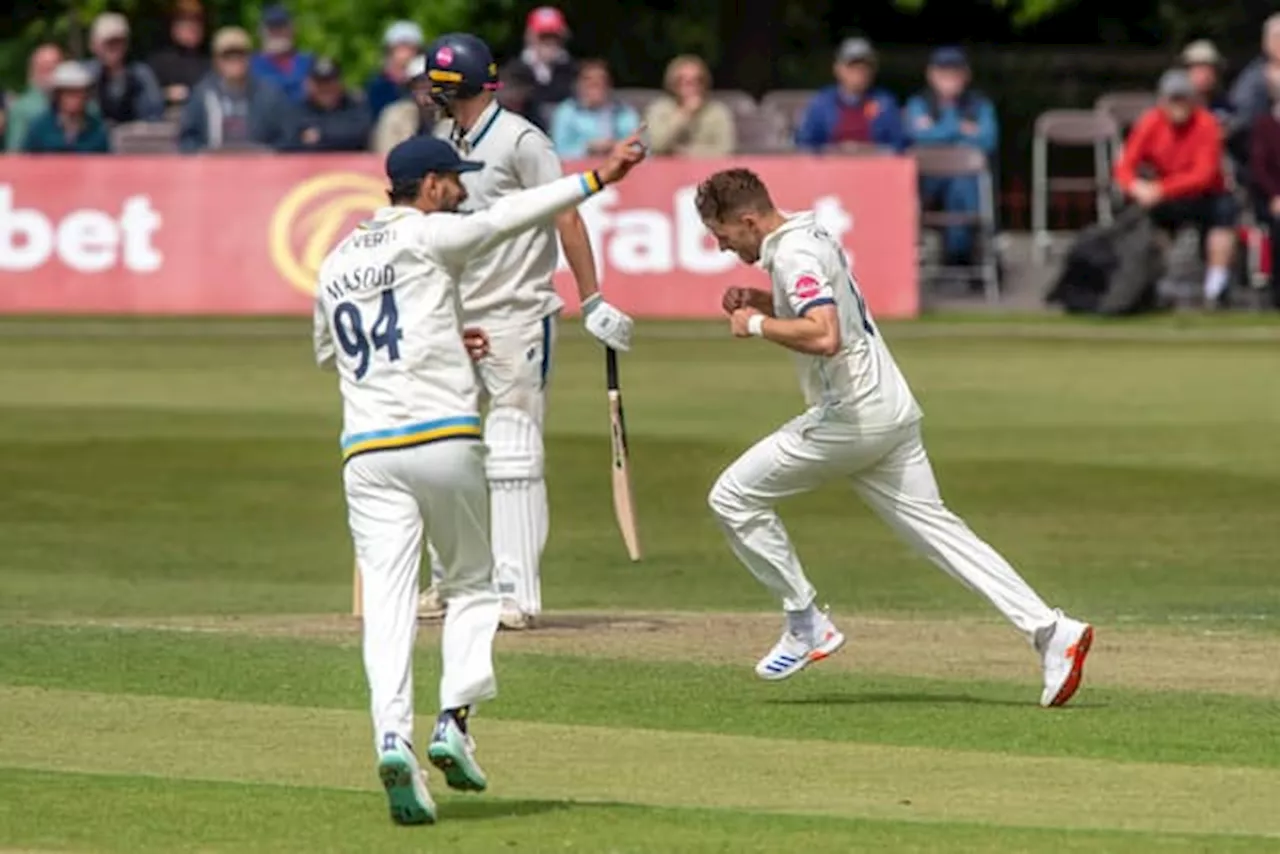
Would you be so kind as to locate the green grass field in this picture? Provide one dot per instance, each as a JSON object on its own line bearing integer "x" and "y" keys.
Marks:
{"x": 179, "y": 671}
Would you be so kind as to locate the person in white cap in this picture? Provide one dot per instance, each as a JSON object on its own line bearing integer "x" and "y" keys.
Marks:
{"x": 125, "y": 91}
{"x": 68, "y": 126}
{"x": 1204, "y": 66}
{"x": 401, "y": 42}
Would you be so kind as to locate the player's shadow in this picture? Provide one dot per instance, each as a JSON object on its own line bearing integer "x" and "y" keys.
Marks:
{"x": 473, "y": 810}
{"x": 892, "y": 698}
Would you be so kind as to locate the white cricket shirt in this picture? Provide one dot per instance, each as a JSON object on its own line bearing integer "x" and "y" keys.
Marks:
{"x": 387, "y": 316}
{"x": 511, "y": 284}
{"x": 860, "y": 383}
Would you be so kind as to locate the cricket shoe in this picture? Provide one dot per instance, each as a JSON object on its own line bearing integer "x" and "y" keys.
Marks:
{"x": 406, "y": 785}
{"x": 790, "y": 654}
{"x": 430, "y": 605}
{"x": 454, "y": 753}
{"x": 1063, "y": 652}
{"x": 512, "y": 618}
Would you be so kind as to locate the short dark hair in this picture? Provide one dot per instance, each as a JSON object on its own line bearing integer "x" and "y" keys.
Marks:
{"x": 404, "y": 192}
{"x": 731, "y": 192}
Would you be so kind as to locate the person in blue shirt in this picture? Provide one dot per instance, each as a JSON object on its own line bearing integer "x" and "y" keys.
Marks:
{"x": 402, "y": 41}
{"x": 852, "y": 113}
{"x": 280, "y": 62}
{"x": 68, "y": 126}
{"x": 591, "y": 122}
{"x": 949, "y": 112}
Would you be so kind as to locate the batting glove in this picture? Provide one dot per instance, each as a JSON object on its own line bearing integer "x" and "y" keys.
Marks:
{"x": 607, "y": 323}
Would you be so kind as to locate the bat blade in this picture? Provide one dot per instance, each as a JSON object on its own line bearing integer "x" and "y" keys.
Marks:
{"x": 623, "y": 505}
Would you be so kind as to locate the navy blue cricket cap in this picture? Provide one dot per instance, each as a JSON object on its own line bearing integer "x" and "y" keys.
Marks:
{"x": 948, "y": 57}
{"x": 417, "y": 156}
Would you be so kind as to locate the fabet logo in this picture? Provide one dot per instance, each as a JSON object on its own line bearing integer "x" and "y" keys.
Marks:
{"x": 311, "y": 219}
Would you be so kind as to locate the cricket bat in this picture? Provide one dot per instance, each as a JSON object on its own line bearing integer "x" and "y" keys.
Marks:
{"x": 623, "y": 508}
{"x": 357, "y": 593}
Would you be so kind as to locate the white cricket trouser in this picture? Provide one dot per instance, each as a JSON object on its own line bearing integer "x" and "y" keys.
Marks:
{"x": 393, "y": 498}
{"x": 891, "y": 471}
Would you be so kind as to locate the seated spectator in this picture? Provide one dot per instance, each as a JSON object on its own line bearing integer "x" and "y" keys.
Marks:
{"x": 401, "y": 42}
{"x": 32, "y": 103}
{"x": 1204, "y": 65}
{"x": 951, "y": 113}
{"x": 686, "y": 121}
{"x": 1264, "y": 159}
{"x": 547, "y": 61}
{"x": 515, "y": 92}
{"x": 231, "y": 107}
{"x": 180, "y": 64}
{"x": 329, "y": 118}
{"x": 124, "y": 91}
{"x": 852, "y": 114}
{"x": 68, "y": 126}
{"x": 280, "y": 62}
{"x": 412, "y": 115}
{"x": 1172, "y": 166}
{"x": 592, "y": 121}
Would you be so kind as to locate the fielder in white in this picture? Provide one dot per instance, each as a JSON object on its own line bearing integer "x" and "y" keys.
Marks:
{"x": 509, "y": 292}
{"x": 387, "y": 319}
{"x": 862, "y": 424}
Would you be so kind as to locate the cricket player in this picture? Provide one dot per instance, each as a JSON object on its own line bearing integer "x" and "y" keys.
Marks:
{"x": 387, "y": 320}
{"x": 862, "y": 424}
{"x": 509, "y": 292}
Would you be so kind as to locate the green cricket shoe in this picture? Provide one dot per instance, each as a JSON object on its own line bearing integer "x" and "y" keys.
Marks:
{"x": 453, "y": 752}
{"x": 406, "y": 785}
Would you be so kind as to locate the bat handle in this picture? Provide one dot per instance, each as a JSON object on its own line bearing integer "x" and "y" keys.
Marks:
{"x": 611, "y": 368}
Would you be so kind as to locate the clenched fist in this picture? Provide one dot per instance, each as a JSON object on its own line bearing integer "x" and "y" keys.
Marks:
{"x": 736, "y": 298}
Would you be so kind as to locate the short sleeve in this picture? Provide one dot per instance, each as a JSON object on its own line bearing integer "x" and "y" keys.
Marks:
{"x": 536, "y": 160}
{"x": 804, "y": 283}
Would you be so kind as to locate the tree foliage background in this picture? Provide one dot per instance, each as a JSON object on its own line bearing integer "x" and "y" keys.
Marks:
{"x": 752, "y": 44}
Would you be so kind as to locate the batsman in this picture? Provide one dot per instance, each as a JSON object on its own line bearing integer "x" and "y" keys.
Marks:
{"x": 510, "y": 294}
{"x": 862, "y": 425}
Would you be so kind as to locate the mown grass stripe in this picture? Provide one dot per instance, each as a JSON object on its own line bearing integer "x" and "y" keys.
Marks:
{"x": 206, "y": 740}
{"x": 113, "y": 813}
{"x": 819, "y": 704}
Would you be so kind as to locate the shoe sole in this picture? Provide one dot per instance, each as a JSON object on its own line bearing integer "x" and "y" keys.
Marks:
{"x": 1076, "y": 676}
{"x": 397, "y": 778}
{"x": 829, "y": 648}
{"x": 455, "y": 769}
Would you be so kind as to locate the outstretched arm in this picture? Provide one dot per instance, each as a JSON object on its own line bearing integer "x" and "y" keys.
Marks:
{"x": 456, "y": 236}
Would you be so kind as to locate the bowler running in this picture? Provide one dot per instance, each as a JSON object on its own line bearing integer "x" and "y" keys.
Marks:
{"x": 387, "y": 320}
{"x": 862, "y": 424}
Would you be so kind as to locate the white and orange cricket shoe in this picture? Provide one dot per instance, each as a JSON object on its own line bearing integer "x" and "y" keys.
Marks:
{"x": 791, "y": 654}
{"x": 1063, "y": 653}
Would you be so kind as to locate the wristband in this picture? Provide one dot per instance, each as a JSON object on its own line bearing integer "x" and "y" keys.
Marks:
{"x": 591, "y": 182}
{"x": 755, "y": 325}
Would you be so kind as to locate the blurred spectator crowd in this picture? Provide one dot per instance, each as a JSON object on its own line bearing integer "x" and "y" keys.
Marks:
{"x": 1197, "y": 154}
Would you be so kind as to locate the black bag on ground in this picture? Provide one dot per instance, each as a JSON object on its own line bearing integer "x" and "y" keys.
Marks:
{"x": 1112, "y": 269}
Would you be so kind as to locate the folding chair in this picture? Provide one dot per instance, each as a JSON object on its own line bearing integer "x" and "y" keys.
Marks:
{"x": 638, "y": 99}
{"x": 958, "y": 162}
{"x": 791, "y": 105}
{"x": 1070, "y": 129}
{"x": 761, "y": 132}
{"x": 1125, "y": 107}
{"x": 145, "y": 138}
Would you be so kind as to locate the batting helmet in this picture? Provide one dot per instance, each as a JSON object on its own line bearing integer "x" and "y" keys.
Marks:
{"x": 460, "y": 65}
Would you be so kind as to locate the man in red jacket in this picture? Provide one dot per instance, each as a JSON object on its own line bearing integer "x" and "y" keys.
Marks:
{"x": 1172, "y": 165}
